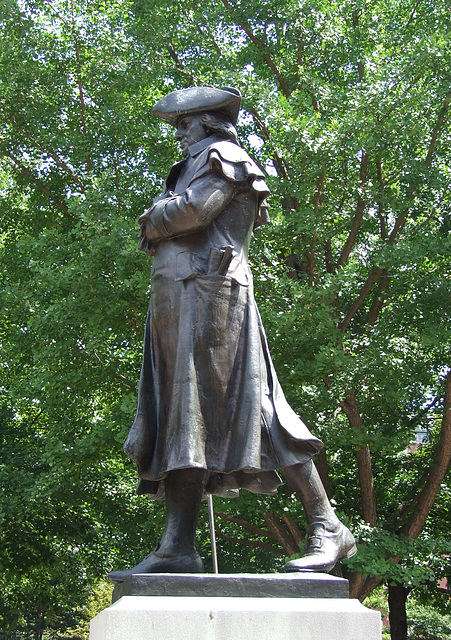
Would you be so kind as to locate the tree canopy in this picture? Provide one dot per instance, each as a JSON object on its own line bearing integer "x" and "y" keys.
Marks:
{"x": 346, "y": 107}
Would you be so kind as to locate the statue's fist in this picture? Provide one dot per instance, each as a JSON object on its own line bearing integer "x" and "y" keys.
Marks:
{"x": 145, "y": 216}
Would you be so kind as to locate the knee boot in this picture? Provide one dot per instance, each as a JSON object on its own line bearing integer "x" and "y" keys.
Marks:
{"x": 328, "y": 539}
{"x": 176, "y": 551}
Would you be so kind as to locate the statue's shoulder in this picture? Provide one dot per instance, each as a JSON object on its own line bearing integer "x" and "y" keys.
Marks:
{"x": 232, "y": 161}
{"x": 237, "y": 166}
{"x": 230, "y": 151}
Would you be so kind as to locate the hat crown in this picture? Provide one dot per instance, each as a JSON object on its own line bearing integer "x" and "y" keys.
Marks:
{"x": 198, "y": 100}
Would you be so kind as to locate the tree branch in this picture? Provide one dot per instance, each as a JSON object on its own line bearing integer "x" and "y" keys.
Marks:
{"x": 414, "y": 10}
{"x": 26, "y": 172}
{"x": 438, "y": 471}
{"x": 248, "y": 543}
{"x": 378, "y": 301}
{"x": 293, "y": 529}
{"x": 50, "y": 152}
{"x": 436, "y": 130}
{"x": 397, "y": 228}
{"x": 281, "y": 534}
{"x": 80, "y": 83}
{"x": 116, "y": 181}
{"x": 423, "y": 412}
{"x": 380, "y": 204}
{"x": 368, "y": 586}
{"x": 351, "y": 409}
{"x": 311, "y": 254}
{"x": 247, "y": 525}
{"x": 63, "y": 20}
{"x": 402, "y": 218}
{"x": 320, "y": 462}
{"x": 180, "y": 66}
{"x": 425, "y": 499}
{"x": 358, "y": 214}
{"x": 393, "y": 237}
{"x": 328, "y": 257}
{"x": 373, "y": 277}
{"x": 204, "y": 25}
{"x": 360, "y": 65}
{"x": 260, "y": 46}
{"x": 411, "y": 498}
{"x": 356, "y": 581}
{"x": 278, "y": 161}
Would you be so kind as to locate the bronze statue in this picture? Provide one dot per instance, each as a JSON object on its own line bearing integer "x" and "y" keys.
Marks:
{"x": 212, "y": 417}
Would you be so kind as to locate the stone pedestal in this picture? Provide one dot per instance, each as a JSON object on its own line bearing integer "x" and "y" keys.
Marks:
{"x": 235, "y": 617}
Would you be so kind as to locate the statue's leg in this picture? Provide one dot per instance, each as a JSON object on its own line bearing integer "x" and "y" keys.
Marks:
{"x": 328, "y": 539}
{"x": 176, "y": 551}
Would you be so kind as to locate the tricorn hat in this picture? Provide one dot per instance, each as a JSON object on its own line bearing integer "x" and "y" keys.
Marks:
{"x": 198, "y": 100}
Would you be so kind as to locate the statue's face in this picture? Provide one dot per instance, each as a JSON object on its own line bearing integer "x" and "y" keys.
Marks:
{"x": 189, "y": 130}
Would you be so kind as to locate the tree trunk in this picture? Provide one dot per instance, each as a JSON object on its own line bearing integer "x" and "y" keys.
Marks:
{"x": 397, "y": 596}
{"x": 40, "y": 624}
{"x": 322, "y": 467}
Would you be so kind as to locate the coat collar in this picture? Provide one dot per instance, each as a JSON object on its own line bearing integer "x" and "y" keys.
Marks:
{"x": 197, "y": 147}
{"x": 193, "y": 151}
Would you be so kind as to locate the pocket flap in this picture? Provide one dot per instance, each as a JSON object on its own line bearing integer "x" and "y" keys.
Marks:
{"x": 188, "y": 265}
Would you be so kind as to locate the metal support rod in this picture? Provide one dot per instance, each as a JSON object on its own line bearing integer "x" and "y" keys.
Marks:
{"x": 211, "y": 521}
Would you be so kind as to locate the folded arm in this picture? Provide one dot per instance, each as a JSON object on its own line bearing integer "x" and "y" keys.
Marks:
{"x": 190, "y": 211}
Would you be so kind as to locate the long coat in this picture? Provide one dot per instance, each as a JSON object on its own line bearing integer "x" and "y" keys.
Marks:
{"x": 209, "y": 397}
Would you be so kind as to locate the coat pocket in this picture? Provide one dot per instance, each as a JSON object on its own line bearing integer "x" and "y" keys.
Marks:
{"x": 221, "y": 265}
{"x": 189, "y": 265}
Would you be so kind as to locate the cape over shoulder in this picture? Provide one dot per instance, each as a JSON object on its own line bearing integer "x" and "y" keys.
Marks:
{"x": 235, "y": 164}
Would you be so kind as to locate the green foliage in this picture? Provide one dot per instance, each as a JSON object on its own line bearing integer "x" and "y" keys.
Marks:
{"x": 345, "y": 105}
{"x": 98, "y": 600}
{"x": 378, "y": 600}
{"x": 423, "y": 560}
{"x": 428, "y": 624}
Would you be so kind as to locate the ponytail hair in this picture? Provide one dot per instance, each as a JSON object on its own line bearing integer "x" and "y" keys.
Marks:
{"x": 218, "y": 124}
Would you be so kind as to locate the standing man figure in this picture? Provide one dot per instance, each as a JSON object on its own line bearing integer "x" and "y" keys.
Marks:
{"x": 211, "y": 414}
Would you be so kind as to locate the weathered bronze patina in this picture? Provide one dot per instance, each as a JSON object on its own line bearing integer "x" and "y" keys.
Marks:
{"x": 211, "y": 414}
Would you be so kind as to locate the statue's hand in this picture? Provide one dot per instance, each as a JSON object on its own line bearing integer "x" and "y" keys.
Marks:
{"x": 146, "y": 245}
{"x": 168, "y": 195}
{"x": 144, "y": 242}
{"x": 145, "y": 216}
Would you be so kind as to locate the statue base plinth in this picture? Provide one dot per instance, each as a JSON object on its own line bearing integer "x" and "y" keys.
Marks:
{"x": 234, "y": 585}
{"x": 250, "y": 607}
